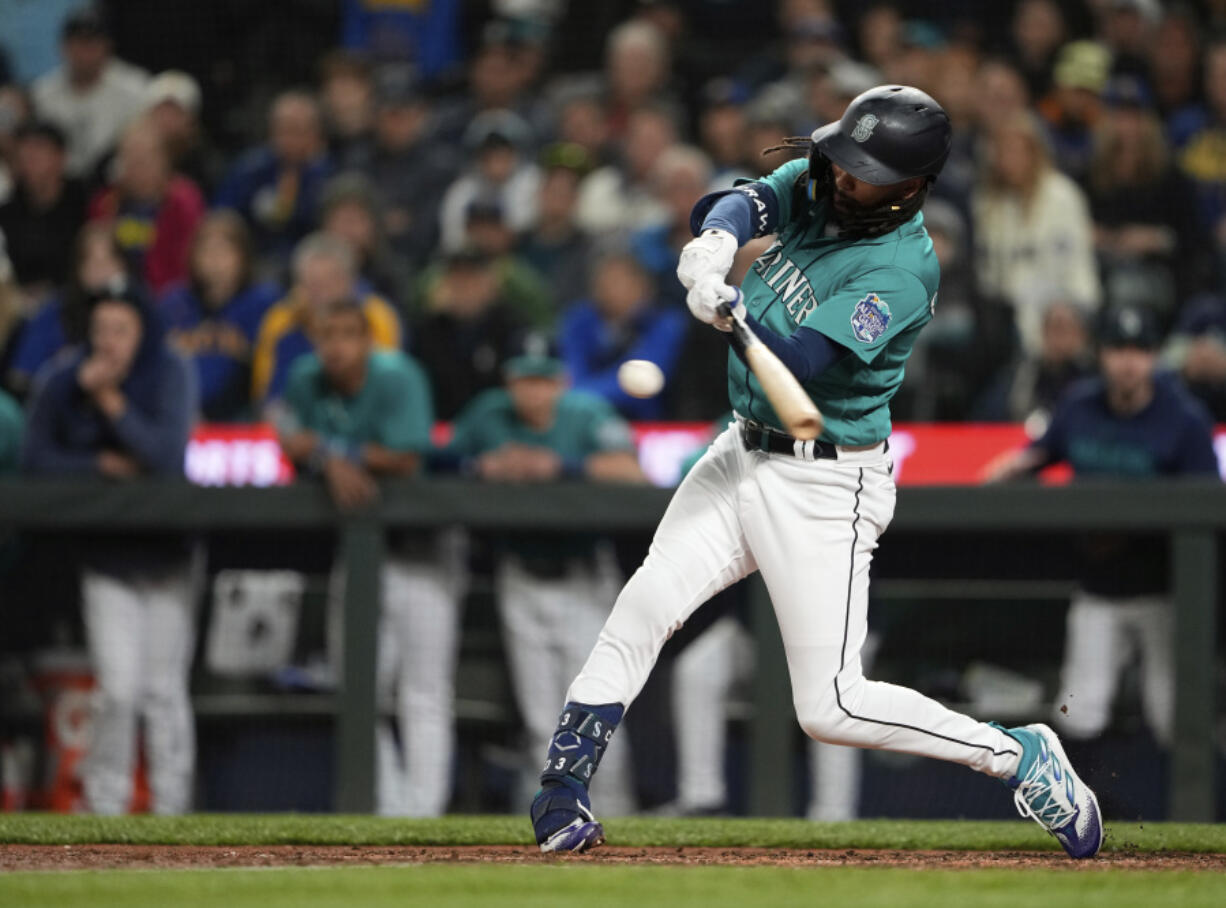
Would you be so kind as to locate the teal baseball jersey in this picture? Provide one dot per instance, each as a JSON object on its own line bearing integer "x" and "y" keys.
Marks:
{"x": 392, "y": 408}
{"x": 584, "y": 424}
{"x": 872, "y": 296}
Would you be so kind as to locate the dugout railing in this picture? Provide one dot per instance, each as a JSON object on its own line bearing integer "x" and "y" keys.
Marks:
{"x": 1193, "y": 514}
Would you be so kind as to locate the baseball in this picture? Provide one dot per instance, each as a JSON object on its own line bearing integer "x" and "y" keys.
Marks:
{"x": 640, "y": 378}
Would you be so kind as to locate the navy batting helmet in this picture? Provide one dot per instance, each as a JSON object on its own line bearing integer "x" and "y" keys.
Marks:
{"x": 887, "y": 134}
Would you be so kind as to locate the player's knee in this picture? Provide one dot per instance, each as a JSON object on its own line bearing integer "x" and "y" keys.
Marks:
{"x": 821, "y": 716}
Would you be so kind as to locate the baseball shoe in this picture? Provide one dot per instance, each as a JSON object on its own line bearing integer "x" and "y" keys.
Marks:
{"x": 563, "y": 821}
{"x": 1047, "y": 790}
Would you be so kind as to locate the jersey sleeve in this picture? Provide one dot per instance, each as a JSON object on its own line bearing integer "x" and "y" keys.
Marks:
{"x": 300, "y": 390}
{"x": 606, "y": 430}
{"x": 782, "y": 181}
{"x": 1197, "y": 456}
{"x": 871, "y": 309}
{"x": 406, "y": 409}
{"x": 469, "y": 432}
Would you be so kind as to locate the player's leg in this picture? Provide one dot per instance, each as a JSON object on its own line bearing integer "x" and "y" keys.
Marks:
{"x": 698, "y": 549}
{"x": 1095, "y": 651}
{"x": 1152, "y": 622}
{"x": 836, "y": 768}
{"x": 114, "y": 629}
{"x": 170, "y": 729}
{"x": 391, "y": 795}
{"x": 424, "y": 600}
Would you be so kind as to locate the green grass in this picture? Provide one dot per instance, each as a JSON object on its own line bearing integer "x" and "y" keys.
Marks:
{"x": 300, "y": 829}
{"x": 596, "y": 887}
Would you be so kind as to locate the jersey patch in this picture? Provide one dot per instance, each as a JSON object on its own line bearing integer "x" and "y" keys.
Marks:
{"x": 870, "y": 318}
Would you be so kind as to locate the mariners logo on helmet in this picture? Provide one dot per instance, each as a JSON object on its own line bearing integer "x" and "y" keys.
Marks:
{"x": 864, "y": 127}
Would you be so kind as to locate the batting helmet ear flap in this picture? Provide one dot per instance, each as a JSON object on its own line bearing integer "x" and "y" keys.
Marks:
{"x": 820, "y": 174}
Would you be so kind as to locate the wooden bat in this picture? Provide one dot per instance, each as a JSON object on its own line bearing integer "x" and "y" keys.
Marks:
{"x": 796, "y": 410}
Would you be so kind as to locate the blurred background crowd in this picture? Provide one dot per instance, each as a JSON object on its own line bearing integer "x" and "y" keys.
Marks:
{"x": 350, "y": 219}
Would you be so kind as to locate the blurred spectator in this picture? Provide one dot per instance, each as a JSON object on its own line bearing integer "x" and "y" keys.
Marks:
{"x": 1128, "y": 424}
{"x": 347, "y": 93}
{"x": 1033, "y": 232}
{"x": 620, "y": 198}
{"x": 582, "y": 122}
{"x": 154, "y": 212}
{"x": 1072, "y": 109}
{"x": 556, "y": 246}
{"x": 722, "y": 126}
{"x": 92, "y": 95}
{"x": 46, "y": 209}
{"x": 276, "y": 187}
{"x": 172, "y": 104}
{"x": 637, "y": 72}
{"x": 61, "y": 321}
{"x": 350, "y": 210}
{"x": 13, "y": 304}
{"x": 353, "y": 414}
{"x": 120, "y": 408}
{"x": 879, "y": 33}
{"x": 411, "y": 170}
{"x": 12, "y": 425}
{"x": 1127, "y": 27}
{"x": 1174, "y": 63}
{"x": 498, "y": 142}
{"x": 426, "y": 35}
{"x": 554, "y": 592}
{"x": 1201, "y": 136}
{"x": 14, "y": 113}
{"x": 621, "y": 321}
{"x": 1038, "y": 31}
{"x": 1145, "y": 226}
{"x": 1197, "y": 349}
{"x": 1028, "y": 389}
{"x": 465, "y": 331}
{"x": 31, "y": 36}
{"x": 680, "y": 178}
{"x": 521, "y": 286}
{"x": 213, "y": 317}
{"x": 325, "y": 270}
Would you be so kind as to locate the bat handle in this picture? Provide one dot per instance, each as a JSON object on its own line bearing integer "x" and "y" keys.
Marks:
{"x": 724, "y": 310}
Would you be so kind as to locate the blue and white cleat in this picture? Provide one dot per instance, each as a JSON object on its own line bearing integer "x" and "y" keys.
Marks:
{"x": 1048, "y": 791}
{"x": 563, "y": 821}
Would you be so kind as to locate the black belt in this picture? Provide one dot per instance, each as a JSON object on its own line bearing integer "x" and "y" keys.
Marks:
{"x": 761, "y": 438}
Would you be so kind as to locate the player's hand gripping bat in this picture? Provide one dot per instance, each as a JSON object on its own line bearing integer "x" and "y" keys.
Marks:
{"x": 796, "y": 410}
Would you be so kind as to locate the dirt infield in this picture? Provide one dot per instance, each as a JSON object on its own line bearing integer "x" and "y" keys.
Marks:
{"x": 98, "y": 857}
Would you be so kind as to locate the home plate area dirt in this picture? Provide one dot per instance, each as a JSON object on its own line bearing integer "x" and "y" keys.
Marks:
{"x": 96, "y": 857}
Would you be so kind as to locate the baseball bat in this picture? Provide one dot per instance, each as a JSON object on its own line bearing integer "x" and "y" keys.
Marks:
{"x": 795, "y": 408}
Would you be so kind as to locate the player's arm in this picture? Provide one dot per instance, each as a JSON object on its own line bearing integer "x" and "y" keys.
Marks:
{"x": 384, "y": 461}
{"x": 1041, "y": 453}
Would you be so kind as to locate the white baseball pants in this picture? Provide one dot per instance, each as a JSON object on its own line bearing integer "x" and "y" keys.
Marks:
{"x": 1103, "y": 636}
{"x": 549, "y": 627}
{"x": 141, "y": 632}
{"x": 810, "y": 527}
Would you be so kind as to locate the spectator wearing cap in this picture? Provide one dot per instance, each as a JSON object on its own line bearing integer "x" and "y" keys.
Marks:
{"x": 411, "y": 171}
{"x": 92, "y": 95}
{"x": 621, "y": 320}
{"x": 618, "y": 198}
{"x": 120, "y": 408}
{"x": 347, "y": 94}
{"x": 153, "y": 210}
{"x": 1126, "y": 424}
{"x": 276, "y": 187}
{"x": 325, "y": 270}
{"x": 1033, "y": 234}
{"x": 1072, "y": 109}
{"x": 464, "y": 331}
{"x": 1150, "y": 246}
{"x": 556, "y": 246}
{"x": 498, "y": 143}
{"x": 554, "y": 591}
{"x": 61, "y": 320}
{"x": 212, "y": 318}
{"x": 350, "y": 209}
{"x": 1200, "y": 135}
{"x": 1196, "y": 349}
{"x": 41, "y": 218}
{"x": 1127, "y": 28}
{"x": 353, "y": 414}
{"x": 172, "y": 104}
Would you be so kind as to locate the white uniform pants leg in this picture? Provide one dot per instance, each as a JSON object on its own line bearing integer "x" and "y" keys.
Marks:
{"x": 811, "y": 528}
{"x": 550, "y": 626}
{"x": 1151, "y": 619}
{"x": 703, "y": 676}
{"x": 1096, "y": 649}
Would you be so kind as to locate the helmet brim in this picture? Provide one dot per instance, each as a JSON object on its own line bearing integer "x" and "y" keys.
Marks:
{"x": 851, "y": 156}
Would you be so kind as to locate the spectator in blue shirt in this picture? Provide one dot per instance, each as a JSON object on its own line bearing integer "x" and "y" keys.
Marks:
{"x": 1128, "y": 424}
{"x": 212, "y": 320}
{"x": 276, "y": 187}
{"x": 621, "y": 321}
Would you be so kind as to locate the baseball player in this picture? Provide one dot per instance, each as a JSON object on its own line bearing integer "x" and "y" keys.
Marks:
{"x": 840, "y": 297}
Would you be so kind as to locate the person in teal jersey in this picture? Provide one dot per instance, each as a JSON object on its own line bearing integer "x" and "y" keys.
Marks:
{"x": 352, "y": 413}
{"x": 554, "y": 591}
{"x": 840, "y": 295}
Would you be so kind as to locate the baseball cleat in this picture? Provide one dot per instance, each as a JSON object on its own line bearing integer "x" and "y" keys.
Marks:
{"x": 1047, "y": 790}
{"x": 577, "y": 837}
{"x": 562, "y": 819}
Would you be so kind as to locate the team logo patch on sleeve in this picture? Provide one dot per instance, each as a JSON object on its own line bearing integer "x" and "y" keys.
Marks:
{"x": 870, "y": 318}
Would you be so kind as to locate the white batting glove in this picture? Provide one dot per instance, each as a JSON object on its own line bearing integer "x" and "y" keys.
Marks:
{"x": 708, "y": 255}
{"x": 705, "y": 298}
